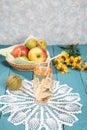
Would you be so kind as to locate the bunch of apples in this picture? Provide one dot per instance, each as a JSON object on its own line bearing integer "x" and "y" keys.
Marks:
{"x": 32, "y": 50}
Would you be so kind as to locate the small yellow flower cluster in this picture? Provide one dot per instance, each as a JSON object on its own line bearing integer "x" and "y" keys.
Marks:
{"x": 65, "y": 60}
{"x": 85, "y": 66}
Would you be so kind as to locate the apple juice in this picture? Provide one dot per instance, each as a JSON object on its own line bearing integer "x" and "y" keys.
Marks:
{"x": 43, "y": 83}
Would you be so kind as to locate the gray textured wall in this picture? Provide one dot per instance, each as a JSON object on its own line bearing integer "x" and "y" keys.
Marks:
{"x": 57, "y": 21}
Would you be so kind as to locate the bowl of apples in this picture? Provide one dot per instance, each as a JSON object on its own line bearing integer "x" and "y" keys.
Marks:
{"x": 26, "y": 56}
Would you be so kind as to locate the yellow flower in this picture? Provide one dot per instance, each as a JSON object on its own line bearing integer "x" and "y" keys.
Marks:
{"x": 76, "y": 66}
{"x": 58, "y": 59}
{"x": 77, "y": 63}
{"x": 65, "y": 55}
{"x": 85, "y": 66}
{"x": 78, "y": 60}
{"x": 70, "y": 61}
{"x": 62, "y": 68}
{"x": 62, "y": 62}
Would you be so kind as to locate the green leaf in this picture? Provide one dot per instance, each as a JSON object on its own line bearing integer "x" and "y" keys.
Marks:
{"x": 71, "y": 49}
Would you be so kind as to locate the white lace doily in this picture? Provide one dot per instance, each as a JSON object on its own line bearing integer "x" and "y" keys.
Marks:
{"x": 24, "y": 109}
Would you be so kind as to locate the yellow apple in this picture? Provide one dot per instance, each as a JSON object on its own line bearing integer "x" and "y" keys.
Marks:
{"x": 37, "y": 54}
{"x": 42, "y": 43}
{"x": 31, "y": 43}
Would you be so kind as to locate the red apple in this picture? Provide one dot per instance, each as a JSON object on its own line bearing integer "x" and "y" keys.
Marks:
{"x": 37, "y": 54}
{"x": 19, "y": 51}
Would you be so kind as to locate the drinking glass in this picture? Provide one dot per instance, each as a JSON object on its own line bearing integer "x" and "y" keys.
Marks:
{"x": 43, "y": 83}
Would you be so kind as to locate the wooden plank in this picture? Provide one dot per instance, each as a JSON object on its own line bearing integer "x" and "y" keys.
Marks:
{"x": 4, "y": 72}
{"x": 84, "y": 79}
{"x": 24, "y": 75}
{"x": 83, "y": 51}
{"x": 78, "y": 87}
{"x": 5, "y": 125}
{"x": 73, "y": 79}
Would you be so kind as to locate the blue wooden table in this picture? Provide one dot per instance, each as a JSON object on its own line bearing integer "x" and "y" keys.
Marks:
{"x": 75, "y": 79}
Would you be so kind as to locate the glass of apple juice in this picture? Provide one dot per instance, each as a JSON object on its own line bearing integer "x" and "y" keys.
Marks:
{"x": 43, "y": 83}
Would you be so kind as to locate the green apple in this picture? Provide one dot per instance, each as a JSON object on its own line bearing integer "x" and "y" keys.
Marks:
{"x": 42, "y": 43}
{"x": 37, "y": 54}
{"x": 31, "y": 43}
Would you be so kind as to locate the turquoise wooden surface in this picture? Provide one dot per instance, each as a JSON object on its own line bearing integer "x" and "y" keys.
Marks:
{"x": 75, "y": 79}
